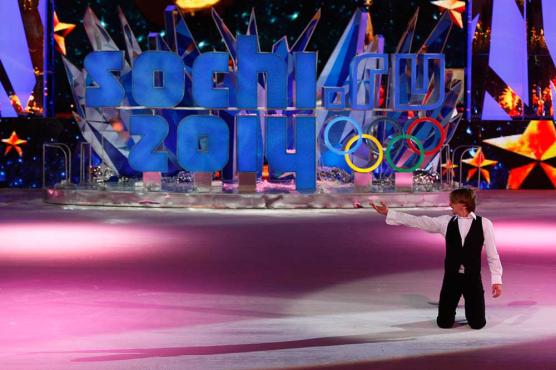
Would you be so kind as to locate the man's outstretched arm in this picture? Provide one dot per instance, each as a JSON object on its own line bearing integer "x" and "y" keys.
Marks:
{"x": 426, "y": 223}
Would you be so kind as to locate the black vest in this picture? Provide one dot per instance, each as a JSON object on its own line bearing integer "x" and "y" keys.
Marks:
{"x": 468, "y": 254}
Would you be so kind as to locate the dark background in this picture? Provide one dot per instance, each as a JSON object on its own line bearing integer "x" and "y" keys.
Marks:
{"x": 275, "y": 19}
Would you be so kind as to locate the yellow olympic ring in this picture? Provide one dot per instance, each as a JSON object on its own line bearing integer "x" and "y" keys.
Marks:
{"x": 378, "y": 161}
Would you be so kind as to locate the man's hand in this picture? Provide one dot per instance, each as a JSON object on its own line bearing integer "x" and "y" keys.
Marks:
{"x": 496, "y": 290}
{"x": 382, "y": 208}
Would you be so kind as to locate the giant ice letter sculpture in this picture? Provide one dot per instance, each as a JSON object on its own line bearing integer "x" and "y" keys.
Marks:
{"x": 143, "y": 156}
{"x": 407, "y": 93}
{"x": 203, "y": 143}
{"x": 377, "y": 67}
{"x": 249, "y": 144}
{"x": 250, "y": 64}
{"x": 305, "y": 80}
{"x": 158, "y": 79}
{"x": 103, "y": 88}
{"x": 204, "y": 93}
{"x": 303, "y": 160}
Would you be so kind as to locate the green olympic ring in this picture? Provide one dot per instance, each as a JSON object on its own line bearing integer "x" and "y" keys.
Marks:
{"x": 390, "y": 146}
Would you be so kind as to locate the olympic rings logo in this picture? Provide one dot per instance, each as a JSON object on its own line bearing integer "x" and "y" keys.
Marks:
{"x": 358, "y": 140}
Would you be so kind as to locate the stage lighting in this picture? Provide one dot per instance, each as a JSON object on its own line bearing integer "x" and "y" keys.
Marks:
{"x": 193, "y": 5}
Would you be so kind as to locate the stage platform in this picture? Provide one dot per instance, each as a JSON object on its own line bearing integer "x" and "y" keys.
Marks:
{"x": 216, "y": 199}
{"x": 166, "y": 288}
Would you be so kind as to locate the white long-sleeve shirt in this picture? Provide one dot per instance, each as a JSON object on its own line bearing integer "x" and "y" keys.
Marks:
{"x": 440, "y": 225}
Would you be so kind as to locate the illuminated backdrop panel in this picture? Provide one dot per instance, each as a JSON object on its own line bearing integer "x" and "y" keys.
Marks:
{"x": 513, "y": 81}
{"x": 24, "y": 47}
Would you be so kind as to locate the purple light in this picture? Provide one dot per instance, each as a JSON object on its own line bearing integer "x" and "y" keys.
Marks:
{"x": 14, "y": 53}
{"x": 74, "y": 241}
{"x": 509, "y": 43}
{"x": 534, "y": 237}
{"x": 548, "y": 11}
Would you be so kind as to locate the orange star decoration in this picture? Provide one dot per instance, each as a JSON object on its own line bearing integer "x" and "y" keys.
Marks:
{"x": 61, "y": 31}
{"x": 13, "y": 142}
{"x": 455, "y": 8}
{"x": 537, "y": 142}
{"x": 479, "y": 161}
{"x": 448, "y": 167}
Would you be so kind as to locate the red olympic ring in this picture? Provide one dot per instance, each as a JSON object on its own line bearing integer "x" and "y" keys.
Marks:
{"x": 437, "y": 125}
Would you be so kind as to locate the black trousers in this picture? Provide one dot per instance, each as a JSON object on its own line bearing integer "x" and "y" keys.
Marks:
{"x": 453, "y": 287}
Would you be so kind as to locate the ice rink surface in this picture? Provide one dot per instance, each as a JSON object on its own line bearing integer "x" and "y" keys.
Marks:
{"x": 105, "y": 288}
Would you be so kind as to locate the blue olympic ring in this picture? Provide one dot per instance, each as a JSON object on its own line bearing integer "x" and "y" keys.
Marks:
{"x": 357, "y": 128}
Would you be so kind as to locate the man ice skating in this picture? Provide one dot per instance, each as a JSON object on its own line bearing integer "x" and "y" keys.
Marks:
{"x": 465, "y": 234}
